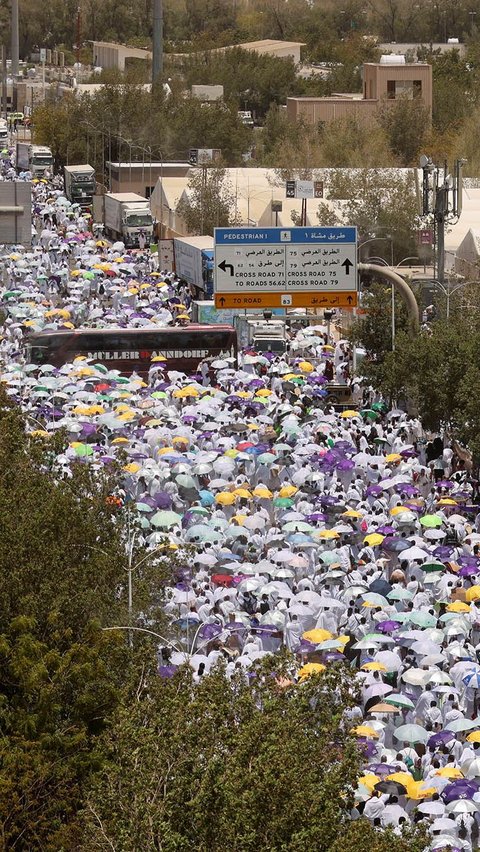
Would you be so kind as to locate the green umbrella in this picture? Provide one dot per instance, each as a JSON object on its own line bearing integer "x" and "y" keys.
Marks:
{"x": 411, "y": 734}
{"x": 422, "y": 619}
{"x": 369, "y": 414}
{"x": 144, "y": 507}
{"x": 185, "y": 481}
{"x": 88, "y": 275}
{"x": 83, "y": 450}
{"x": 380, "y": 406}
{"x": 283, "y": 502}
{"x": 399, "y": 701}
{"x": 431, "y": 521}
{"x": 198, "y": 510}
{"x": 328, "y": 557}
{"x": 399, "y": 594}
{"x": 101, "y": 368}
{"x": 431, "y": 567}
{"x": 159, "y": 395}
{"x": 266, "y": 458}
{"x": 298, "y": 526}
{"x": 165, "y": 519}
{"x": 9, "y": 294}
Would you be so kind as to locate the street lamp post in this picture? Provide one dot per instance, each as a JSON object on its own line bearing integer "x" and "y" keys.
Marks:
{"x": 378, "y": 239}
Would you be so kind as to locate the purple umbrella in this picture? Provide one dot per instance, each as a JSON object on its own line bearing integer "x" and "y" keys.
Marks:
{"x": 395, "y": 544}
{"x": 210, "y": 631}
{"x": 388, "y": 626}
{"x": 316, "y": 517}
{"x": 381, "y": 768}
{"x": 346, "y": 464}
{"x": 167, "y": 671}
{"x": 386, "y": 530}
{"x": 367, "y": 747}
{"x": 440, "y": 739}
{"x": 461, "y": 789}
{"x": 408, "y": 490}
{"x": 469, "y": 571}
{"x": 443, "y": 551}
{"x": 162, "y": 500}
{"x": 88, "y": 428}
{"x": 374, "y": 491}
{"x": 445, "y": 483}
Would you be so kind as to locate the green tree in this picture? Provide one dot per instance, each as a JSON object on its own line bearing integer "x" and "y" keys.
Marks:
{"x": 209, "y": 201}
{"x": 406, "y": 123}
{"x": 381, "y": 203}
{"x": 62, "y": 577}
{"x": 241, "y": 765}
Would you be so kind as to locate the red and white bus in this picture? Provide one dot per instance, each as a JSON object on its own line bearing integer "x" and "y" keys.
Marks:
{"x": 133, "y": 350}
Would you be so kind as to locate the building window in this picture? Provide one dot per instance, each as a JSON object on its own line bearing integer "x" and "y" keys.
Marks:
{"x": 404, "y": 88}
{"x": 148, "y": 191}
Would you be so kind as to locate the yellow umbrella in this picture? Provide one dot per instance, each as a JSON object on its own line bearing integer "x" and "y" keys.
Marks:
{"x": 40, "y": 433}
{"x": 369, "y": 781}
{"x": 179, "y": 439}
{"x": 373, "y": 539}
{"x": 473, "y": 594}
{"x": 327, "y": 346}
{"x": 474, "y": 737}
{"x": 264, "y": 392}
{"x": 447, "y": 501}
{"x": 365, "y": 731}
{"x": 120, "y": 441}
{"x": 415, "y": 790}
{"x": 244, "y": 394}
{"x": 317, "y": 635}
{"x": 326, "y": 534}
{"x": 374, "y": 667}
{"x": 243, "y": 493}
{"x": 182, "y": 393}
{"x": 240, "y": 519}
{"x": 384, "y": 708}
{"x": 393, "y": 457}
{"x": 450, "y": 772}
{"x": 350, "y": 413}
{"x": 262, "y": 491}
{"x": 401, "y": 778}
{"x": 351, "y": 513}
{"x": 458, "y": 606}
{"x": 306, "y": 367}
{"x": 165, "y": 450}
{"x": 231, "y": 454}
{"x": 133, "y": 467}
{"x": 158, "y": 358}
{"x": 183, "y": 317}
{"x": 287, "y": 491}
{"x": 397, "y": 510}
{"x": 225, "y": 498}
{"x": 311, "y": 669}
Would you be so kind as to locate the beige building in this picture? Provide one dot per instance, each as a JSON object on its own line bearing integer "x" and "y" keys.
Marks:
{"x": 383, "y": 82}
{"x": 108, "y": 54}
{"x": 142, "y": 177}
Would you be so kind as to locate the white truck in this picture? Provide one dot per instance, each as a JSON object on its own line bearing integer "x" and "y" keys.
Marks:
{"x": 261, "y": 334}
{"x": 194, "y": 263}
{"x": 36, "y": 159}
{"x": 127, "y": 217}
{"x": 3, "y": 133}
{"x": 80, "y": 185}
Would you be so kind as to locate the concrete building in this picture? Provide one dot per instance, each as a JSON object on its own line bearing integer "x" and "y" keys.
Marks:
{"x": 108, "y": 54}
{"x": 142, "y": 177}
{"x": 265, "y": 47}
{"x": 416, "y": 49}
{"x": 383, "y": 82}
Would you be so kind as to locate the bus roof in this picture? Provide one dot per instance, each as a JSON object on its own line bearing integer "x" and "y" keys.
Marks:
{"x": 171, "y": 329}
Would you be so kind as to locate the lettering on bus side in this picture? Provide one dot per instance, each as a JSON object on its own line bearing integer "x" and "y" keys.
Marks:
{"x": 169, "y": 354}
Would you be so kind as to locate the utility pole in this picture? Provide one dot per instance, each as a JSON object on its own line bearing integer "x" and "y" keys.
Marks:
{"x": 157, "y": 61}
{"x": 15, "y": 51}
{"x": 436, "y": 201}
